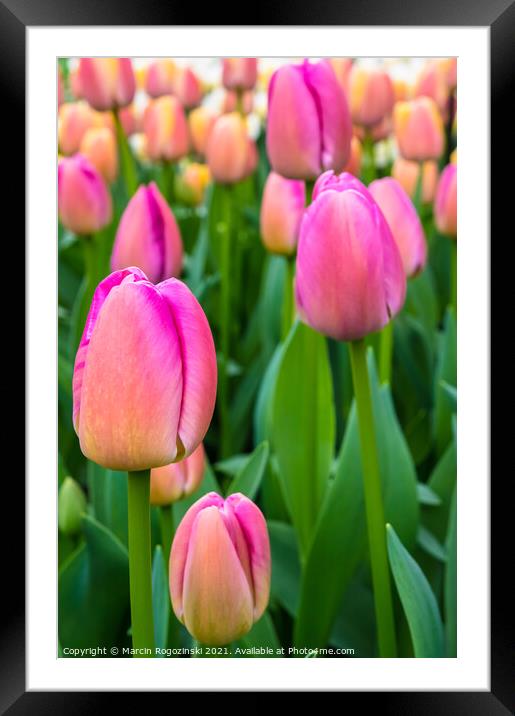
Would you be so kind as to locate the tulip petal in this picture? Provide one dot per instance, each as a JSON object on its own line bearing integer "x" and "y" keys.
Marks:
{"x": 253, "y": 525}
{"x": 199, "y": 369}
{"x": 132, "y": 381}
{"x": 218, "y": 604}
{"x": 179, "y": 551}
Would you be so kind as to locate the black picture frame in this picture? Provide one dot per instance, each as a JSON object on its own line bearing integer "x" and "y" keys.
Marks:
{"x": 15, "y": 17}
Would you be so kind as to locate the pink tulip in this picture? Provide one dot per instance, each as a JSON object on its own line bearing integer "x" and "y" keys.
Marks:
{"x": 148, "y": 236}
{"x": 282, "y": 209}
{"x": 371, "y": 95}
{"x": 220, "y": 568}
{"x": 107, "y": 82}
{"x": 166, "y": 129}
{"x": 433, "y": 81}
{"x": 159, "y": 77}
{"x": 233, "y": 103}
{"x": 350, "y": 279}
{"x": 445, "y": 209}
{"x": 179, "y": 479}
{"x": 99, "y": 146}
{"x": 239, "y": 73}
{"x": 309, "y": 128}
{"x": 231, "y": 154}
{"x": 200, "y": 122}
{"x": 74, "y": 120}
{"x": 418, "y": 129}
{"x": 84, "y": 202}
{"x": 403, "y": 221}
{"x": 130, "y": 120}
{"x": 144, "y": 381}
{"x": 187, "y": 88}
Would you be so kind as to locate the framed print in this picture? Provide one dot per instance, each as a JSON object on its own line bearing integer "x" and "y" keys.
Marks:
{"x": 249, "y": 324}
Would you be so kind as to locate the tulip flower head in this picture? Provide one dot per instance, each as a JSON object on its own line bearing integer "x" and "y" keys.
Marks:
{"x": 308, "y": 127}
{"x": 446, "y": 201}
{"x": 166, "y": 129}
{"x": 220, "y": 568}
{"x": 187, "y": 88}
{"x": 200, "y": 123}
{"x": 144, "y": 380}
{"x": 159, "y": 78}
{"x": 282, "y": 209}
{"x": 99, "y": 146}
{"x": 371, "y": 95}
{"x": 239, "y": 73}
{"x": 83, "y": 200}
{"x": 418, "y": 129}
{"x": 342, "y": 67}
{"x": 403, "y": 221}
{"x": 106, "y": 82}
{"x": 231, "y": 154}
{"x": 353, "y": 166}
{"x": 434, "y": 82}
{"x": 75, "y": 118}
{"x": 172, "y": 482}
{"x": 191, "y": 183}
{"x": 349, "y": 280}
{"x": 148, "y": 236}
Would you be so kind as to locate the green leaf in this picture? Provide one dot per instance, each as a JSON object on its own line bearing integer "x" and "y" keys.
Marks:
{"x": 232, "y": 465}
{"x": 248, "y": 479}
{"x": 341, "y": 528}
{"x": 108, "y": 494}
{"x": 451, "y": 394}
{"x": 418, "y": 601}
{"x": 303, "y": 427}
{"x": 426, "y": 496}
{"x": 93, "y": 591}
{"x": 428, "y": 542}
{"x": 355, "y": 624}
{"x": 450, "y": 602}
{"x": 445, "y": 372}
{"x": 442, "y": 482}
{"x": 285, "y": 566}
{"x": 160, "y": 599}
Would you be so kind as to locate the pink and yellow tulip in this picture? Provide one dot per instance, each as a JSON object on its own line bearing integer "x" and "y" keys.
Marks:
{"x": 144, "y": 380}
{"x": 371, "y": 95}
{"x": 231, "y": 154}
{"x": 99, "y": 146}
{"x": 166, "y": 129}
{"x": 239, "y": 73}
{"x": 84, "y": 202}
{"x": 106, "y": 82}
{"x": 446, "y": 201}
{"x": 282, "y": 209}
{"x": 177, "y": 480}
{"x": 220, "y": 568}
{"x": 418, "y": 129}
{"x": 406, "y": 173}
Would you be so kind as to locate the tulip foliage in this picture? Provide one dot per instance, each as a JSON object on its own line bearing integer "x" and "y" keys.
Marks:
{"x": 257, "y": 358}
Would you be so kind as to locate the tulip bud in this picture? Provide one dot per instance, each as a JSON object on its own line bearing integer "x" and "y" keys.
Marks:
{"x": 342, "y": 67}
{"x": 230, "y": 152}
{"x": 239, "y": 73}
{"x": 371, "y": 95}
{"x": 166, "y": 129}
{"x": 445, "y": 209}
{"x": 130, "y": 120}
{"x": 179, "y": 479}
{"x": 84, "y": 202}
{"x": 71, "y": 506}
{"x": 148, "y": 236}
{"x": 187, "y": 88}
{"x": 401, "y": 90}
{"x": 107, "y": 82}
{"x": 404, "y": 223}
{"x": 433, "y": 82}
{"x": 309, "y": 128}
{"x": 233, "y": 103}
{"x": 99, "y": 146}
{"x": 356, "y": 154}
{"x": 407, "y": 172}
{"x": 200, "y": 122}
{"x": 144, "y": 380}
{"x": 282, "y": 209}
{"x": 191, "y": 183}
{"x": 74, "y": 120}
{"x": 349, "y": 280}
{"x": 159, "y": 78}
{"x": 220, "y": 568}
{"x": 418, "y": 129}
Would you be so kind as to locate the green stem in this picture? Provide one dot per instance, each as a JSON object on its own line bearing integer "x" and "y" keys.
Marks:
{"x": 288, "y": 308}
{"x": 369, "y": 168}
{"x": 225, "y": 314}
{"x": 309, "y": 192}
{"x": 417, "y": 198}
{"x": 168, "y": 181}
{"x": 140, "y": 563}
{"x": 376, "y": 522}
{"x": 454, "y": 276}
{"x": 385, "y": 353}
{"x": 167, "y": 531}
{"x": 127, "y": 162}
